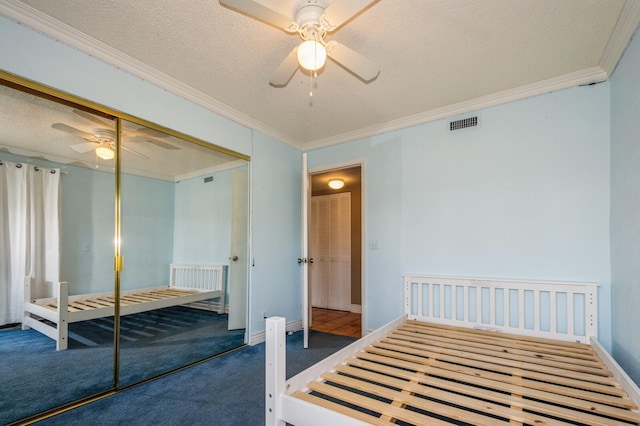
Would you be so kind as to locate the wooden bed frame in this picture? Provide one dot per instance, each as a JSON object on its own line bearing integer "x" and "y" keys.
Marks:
{"x": 187, "y": 284}
{"x": 467, "y": 351}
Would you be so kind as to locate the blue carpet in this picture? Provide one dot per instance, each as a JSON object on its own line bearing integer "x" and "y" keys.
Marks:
{"x": 36, "y": 377}
{"x": 227, "y": 390}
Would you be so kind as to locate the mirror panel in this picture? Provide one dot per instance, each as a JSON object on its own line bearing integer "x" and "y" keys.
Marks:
{"x": 182, "y": 203}
{"x": 67, "y": 237}
{"x": 176, "y": 214}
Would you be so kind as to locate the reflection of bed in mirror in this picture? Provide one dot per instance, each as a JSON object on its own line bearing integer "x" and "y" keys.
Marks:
{"x": 188, "y": 284}
{"x": 470, "y": 351}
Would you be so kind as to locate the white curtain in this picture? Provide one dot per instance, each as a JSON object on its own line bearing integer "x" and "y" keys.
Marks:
{"x": 30, "y": 234}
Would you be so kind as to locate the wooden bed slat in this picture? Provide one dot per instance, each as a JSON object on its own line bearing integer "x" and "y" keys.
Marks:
{"x": 563, "y": 364}
{"x": 531, "y": 371}
{"x": 382, "y": 385}
{"x": 374, "y": 405}
{"x": 568, "y": 361}
{"x": 437, "y": 334}
{"x": 428, "y": 381}
{"x": 445, "y": 369}
{"x": 522, "y": 342}
{"x": 345, "y": 410}
{"x": 544, "y": 402}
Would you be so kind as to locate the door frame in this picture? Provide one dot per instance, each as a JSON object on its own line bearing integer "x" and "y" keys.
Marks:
{"x": 358, "y": 162}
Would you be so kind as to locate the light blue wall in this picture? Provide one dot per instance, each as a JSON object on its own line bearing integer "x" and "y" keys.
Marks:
{"x": 147, "y": 231}
{"x": 202, "y": 233}
{"x": 87, "y": 212}
{"x": 275, "y": 215}
{"x": 625, "y": 209}
{"x": 87, "y": 221}
{"x": 524, "y": 195}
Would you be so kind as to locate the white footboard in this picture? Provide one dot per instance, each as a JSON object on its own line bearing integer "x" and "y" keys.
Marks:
{"x": 58, "y": 316}
{"x": 556, "y": 310}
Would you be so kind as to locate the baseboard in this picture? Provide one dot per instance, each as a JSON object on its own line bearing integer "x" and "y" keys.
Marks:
{"x": 356, "y": 309}
{"x": 207, "y": 306}
{"x": 261, "y": 336}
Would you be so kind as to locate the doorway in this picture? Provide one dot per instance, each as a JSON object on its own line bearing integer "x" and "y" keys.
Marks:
{"x": 335, "y": 244}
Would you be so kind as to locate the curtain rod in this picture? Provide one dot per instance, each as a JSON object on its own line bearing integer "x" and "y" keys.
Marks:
{"x": 37, "y": 168}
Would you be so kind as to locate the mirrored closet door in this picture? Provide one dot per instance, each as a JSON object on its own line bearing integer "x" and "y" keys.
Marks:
{"x": 57, "y": 218}
{"x": 124, "y": 250}
{"x": 177, "y": 215}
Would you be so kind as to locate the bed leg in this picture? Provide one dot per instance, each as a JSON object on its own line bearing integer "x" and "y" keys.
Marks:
{"x": 27, "y": 299}
{"x": 62, "y": 294}
{"x": 275, "y": 368}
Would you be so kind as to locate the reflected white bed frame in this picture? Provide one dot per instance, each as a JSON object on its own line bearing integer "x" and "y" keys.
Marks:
{"x": 532, "y": 308}
{"x": 187, "y": 284}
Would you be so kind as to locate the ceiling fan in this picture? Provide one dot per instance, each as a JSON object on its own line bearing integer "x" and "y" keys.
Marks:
{"x": 102, "y": 139}
{"x": 312, "y": 21}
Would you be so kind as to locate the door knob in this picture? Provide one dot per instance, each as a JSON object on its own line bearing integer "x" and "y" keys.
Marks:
{"x": 311, "y": 260}
{"x": 234, "y": 258}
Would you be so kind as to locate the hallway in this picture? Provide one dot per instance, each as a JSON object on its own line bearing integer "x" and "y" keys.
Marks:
{"x": 337, "y": 322}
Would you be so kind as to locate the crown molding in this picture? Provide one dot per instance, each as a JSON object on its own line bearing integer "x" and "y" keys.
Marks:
{"x": 622, "y": 33}
{"x": 587, "y": 76}
{"x": 28, "y": 16}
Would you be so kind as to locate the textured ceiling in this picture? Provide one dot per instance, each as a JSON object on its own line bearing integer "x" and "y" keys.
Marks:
{"x": 433, "y": 54}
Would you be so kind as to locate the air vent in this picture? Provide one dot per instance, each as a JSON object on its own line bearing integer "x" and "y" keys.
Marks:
{"x": 463, "y": 124}
{"x": 208, "y": 179}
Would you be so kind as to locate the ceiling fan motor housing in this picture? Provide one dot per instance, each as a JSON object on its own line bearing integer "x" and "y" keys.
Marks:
{"x": 308, "y": 16}
{"x": 105, "y": 135}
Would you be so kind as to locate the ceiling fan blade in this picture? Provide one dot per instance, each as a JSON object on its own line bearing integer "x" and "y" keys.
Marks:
{"x": 84, "y": 147}
{"x": 136, "y": 153}
{"x": 102, "y": 122}
{"x": 340, "y": 11}
{"x": 72, "y": 130}
{"x": 160, "y": 144}
{"x": 146, "y": 131}
{"x": 285, "y": 71}
{"x": 258, "y": 11}
{"x": 362, "y": 67}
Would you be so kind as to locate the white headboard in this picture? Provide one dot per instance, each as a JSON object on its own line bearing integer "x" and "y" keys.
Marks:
{"x": 557, "y": 310}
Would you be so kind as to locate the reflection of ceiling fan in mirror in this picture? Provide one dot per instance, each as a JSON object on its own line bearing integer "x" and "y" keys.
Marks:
{"x": 102, "y": 139}
{"x": 312, "y": 21}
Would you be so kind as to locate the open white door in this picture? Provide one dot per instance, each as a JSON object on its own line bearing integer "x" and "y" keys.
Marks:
{"x": 304, "y": 260}
{"x": 238, "y": 262}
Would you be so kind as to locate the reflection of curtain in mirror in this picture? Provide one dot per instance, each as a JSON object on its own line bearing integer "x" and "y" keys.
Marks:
{"x": 29, "y": 237}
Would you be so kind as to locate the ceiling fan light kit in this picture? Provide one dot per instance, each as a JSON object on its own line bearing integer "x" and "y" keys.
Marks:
{"x": 104, "y": 151}
{"x": 312, "y": 21}
{"x": 312, "y": 55}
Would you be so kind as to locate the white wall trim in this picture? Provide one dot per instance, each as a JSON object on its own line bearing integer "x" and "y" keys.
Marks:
{"x": 356, "y": 309}
{"x": 261, "y": 336}
{"x": 566, "y": 81}
{"x": 63, "y": 33}
{"x": 627, "y": 383}
{"x": 28, "y": 16}
{"x": 622, "y": 33}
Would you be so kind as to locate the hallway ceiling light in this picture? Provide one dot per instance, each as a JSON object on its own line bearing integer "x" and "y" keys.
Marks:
{"x": 336, "y": 183}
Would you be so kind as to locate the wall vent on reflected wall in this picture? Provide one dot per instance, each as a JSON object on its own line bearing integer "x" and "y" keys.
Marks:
{"x": 208, "y": 179}
{"x": 463, "y": 124}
